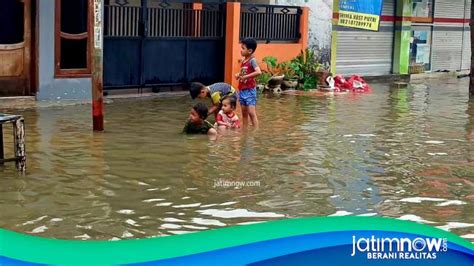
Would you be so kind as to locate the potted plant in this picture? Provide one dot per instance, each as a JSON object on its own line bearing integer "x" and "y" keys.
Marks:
{"x": 273, "y": 69}
{"x": 305, "y": 66}
{"x": 290, "y": 81}
{"x": 262, "y": 80}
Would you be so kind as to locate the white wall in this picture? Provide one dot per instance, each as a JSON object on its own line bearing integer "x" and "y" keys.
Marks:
{"x": 51, "y": 88}
{"x": 320, "y": 23}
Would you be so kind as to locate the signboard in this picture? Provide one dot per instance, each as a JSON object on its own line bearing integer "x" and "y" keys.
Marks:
{"x": 360, "y": 14}
{"x": 349, "y": 240}
{"x": 98, "y": 24}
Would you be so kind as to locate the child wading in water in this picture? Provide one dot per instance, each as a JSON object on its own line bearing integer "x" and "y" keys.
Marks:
{"x": 216, "y": 92}
{"x": 197, "y": 123}
{"x": 247, "y": 83}
{"x": 227, "y": 118}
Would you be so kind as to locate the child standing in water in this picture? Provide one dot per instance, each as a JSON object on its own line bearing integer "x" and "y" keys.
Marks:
{"x": 227, "y": 118}
{"x": 247, "y": 83}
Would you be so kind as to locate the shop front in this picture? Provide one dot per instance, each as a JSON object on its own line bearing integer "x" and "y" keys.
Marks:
{"x": 415, "y": 36}
{"x": 440, "y": 36}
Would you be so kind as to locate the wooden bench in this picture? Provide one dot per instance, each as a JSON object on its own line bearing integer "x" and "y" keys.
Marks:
{"x": 18, "y": 140}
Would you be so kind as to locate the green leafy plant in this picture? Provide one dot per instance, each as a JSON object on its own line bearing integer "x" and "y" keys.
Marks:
{"x": 287, "y": 70}
{"x": 272, "y": 65}
{"x": 310, "y": 83}
{"x": 305, "y": 67}
{"x": 273, "y": 68}
{"x": 264, "y": 78}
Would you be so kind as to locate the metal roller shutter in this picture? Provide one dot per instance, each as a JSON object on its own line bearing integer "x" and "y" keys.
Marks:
{"x": 447, "y": 35}
{"x": 449, "y": 8}
{"x": 466, "y": 51}
{"x": 366, "y": 52}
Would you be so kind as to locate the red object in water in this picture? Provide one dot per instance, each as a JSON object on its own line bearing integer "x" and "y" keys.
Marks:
{"x": 355, "y": 84}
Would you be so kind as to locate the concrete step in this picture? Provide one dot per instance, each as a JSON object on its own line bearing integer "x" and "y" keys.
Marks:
{"x": 18, "y": 102}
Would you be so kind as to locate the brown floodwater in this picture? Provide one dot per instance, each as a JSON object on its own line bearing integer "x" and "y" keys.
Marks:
{"x": 401, "y": 153}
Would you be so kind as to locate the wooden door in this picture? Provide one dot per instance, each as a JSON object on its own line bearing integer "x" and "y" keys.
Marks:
{"x": 15, "y": 47}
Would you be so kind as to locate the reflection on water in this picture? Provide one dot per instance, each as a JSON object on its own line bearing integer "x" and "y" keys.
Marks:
{"x": 403, "y": 153}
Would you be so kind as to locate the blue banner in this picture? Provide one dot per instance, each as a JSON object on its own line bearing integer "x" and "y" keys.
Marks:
{"x": 362, "y": 14}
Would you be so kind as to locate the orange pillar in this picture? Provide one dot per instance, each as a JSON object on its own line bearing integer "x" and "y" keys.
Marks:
{"x": 232, "y": 43}
{"x": 304, "y": 28}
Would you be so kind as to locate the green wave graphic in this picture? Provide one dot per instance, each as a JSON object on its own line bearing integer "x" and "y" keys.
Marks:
{"x": 52, "y": 251}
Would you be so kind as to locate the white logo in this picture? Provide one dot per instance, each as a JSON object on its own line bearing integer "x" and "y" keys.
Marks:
{"x": 399, "y": 248}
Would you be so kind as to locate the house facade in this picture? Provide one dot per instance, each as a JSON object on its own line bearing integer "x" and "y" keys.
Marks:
{"x": 46, "y": 49}
{"x": 415, "y": 36}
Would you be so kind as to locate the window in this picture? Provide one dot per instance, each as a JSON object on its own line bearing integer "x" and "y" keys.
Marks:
{"x": 73, "y": 38}
{"x": 421, "y": 36}
{"x": 422, "y": 11}
{"x": 420, "y": 49}
{"x": 11, "y": 22}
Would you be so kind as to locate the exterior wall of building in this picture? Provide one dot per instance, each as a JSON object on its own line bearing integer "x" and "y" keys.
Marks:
{"x": 282, "y": 51}
{"x": 450, "y": 47}
{"x": 51, "y": 88}
{"x": 466, "y": 54}
{"x": 401, "y": 47}
{"x": 366, "y": 52}
{"x": 448, "y": 34}
{"x": 448, "y": 44}
{"x": 320, "y": 24}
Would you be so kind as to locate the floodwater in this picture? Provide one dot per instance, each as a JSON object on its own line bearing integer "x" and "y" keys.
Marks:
{"x": 401, "y": 153}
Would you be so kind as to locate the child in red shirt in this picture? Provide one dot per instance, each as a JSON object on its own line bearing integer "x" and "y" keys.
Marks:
{"x": 247, "y": 83}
